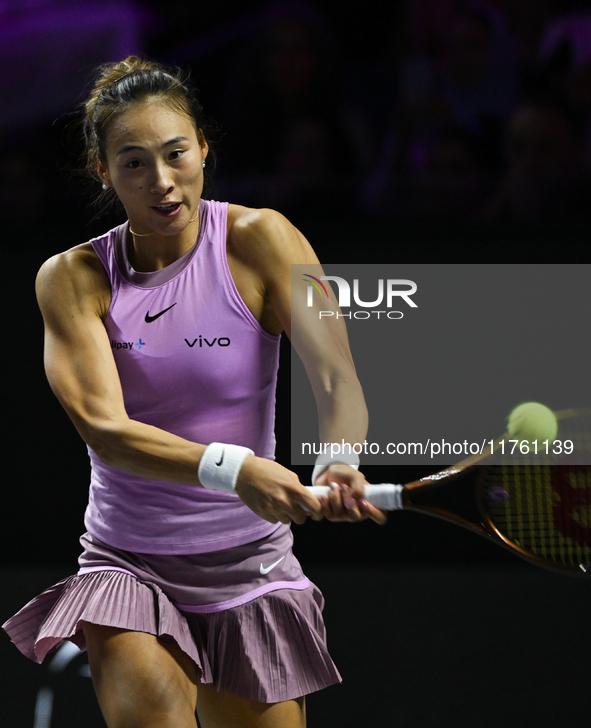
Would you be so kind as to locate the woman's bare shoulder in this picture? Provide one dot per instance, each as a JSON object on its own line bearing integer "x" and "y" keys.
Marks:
{"x": 245, "y": 220}
{"x": 265, "y": 234}
{"x": 77, "y": 272}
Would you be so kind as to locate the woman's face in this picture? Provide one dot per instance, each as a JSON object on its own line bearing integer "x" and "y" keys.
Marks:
{"x": 154, "y": 162}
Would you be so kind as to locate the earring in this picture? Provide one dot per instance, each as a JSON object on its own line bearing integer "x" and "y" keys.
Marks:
{"x": 203, "y": 164}
{"x": 105, "y": 186}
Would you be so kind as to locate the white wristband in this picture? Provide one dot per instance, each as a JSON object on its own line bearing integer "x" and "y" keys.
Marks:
{"x": 220, "y": 464}
{"x": 326, "y": 459}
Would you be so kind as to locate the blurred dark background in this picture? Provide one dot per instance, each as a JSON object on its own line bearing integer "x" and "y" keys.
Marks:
{"x": 412, "y": 131}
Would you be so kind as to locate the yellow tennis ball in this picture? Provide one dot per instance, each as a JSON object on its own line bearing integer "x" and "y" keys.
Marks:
{"x": 532, "y": 421}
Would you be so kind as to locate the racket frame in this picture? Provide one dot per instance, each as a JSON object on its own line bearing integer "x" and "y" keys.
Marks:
{"x": 486, "y": 527}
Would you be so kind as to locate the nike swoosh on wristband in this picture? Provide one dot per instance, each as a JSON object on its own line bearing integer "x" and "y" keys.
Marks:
{"x": 222, "y": 458}
{"x": 149, "y": 318}
{"x": 267, "y": 569}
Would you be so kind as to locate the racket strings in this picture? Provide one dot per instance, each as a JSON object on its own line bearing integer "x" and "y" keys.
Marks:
{"x": 543, "y": 509}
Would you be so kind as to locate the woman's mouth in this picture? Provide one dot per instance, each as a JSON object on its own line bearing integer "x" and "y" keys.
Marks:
{"x": 169, "y": 210}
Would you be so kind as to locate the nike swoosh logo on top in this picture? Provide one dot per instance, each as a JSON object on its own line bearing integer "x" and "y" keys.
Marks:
{"x": 267, "y": 569}
{"x": 222, "y": 458}
{"x": 149, "y": 318}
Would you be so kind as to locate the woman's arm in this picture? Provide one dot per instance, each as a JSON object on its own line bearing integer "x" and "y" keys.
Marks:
{"x": 265, "y": 242}
{"x": 74, "y": 296}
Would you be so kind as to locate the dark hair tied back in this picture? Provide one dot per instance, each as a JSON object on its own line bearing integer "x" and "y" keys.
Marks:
{"x": 133, "y": 80}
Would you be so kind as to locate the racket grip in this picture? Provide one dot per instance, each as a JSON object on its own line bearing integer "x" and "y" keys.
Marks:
{"x": 385, "y": 496}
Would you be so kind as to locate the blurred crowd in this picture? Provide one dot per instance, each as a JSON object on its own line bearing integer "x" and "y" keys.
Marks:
{"x": 480, "y": 113}
{"x": 476, "y": 112}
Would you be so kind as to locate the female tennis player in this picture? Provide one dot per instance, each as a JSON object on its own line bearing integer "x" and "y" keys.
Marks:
{"x": 161, "y": 342}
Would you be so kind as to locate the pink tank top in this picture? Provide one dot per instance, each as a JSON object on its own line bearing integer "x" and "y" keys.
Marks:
{"x": 194, "y": 361}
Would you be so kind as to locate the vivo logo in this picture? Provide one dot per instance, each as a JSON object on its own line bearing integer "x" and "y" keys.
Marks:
{"x": 200, "y": 340}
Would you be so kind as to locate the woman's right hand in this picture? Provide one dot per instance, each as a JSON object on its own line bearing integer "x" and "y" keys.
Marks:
{"x": 275, "y": 493}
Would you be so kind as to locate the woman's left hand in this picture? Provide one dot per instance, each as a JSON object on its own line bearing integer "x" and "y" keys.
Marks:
{"x": 345, "y": 501}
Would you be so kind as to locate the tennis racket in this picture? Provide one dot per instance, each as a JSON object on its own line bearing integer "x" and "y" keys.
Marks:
{"x": 541, "y": 511}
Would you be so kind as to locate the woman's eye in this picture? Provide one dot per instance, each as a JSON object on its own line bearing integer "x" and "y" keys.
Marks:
{"x": 134, "y": 164}
{"x": 177, "y": 153}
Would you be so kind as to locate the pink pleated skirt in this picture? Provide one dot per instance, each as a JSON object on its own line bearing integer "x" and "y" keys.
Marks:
{"x": 270, "y": 649}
